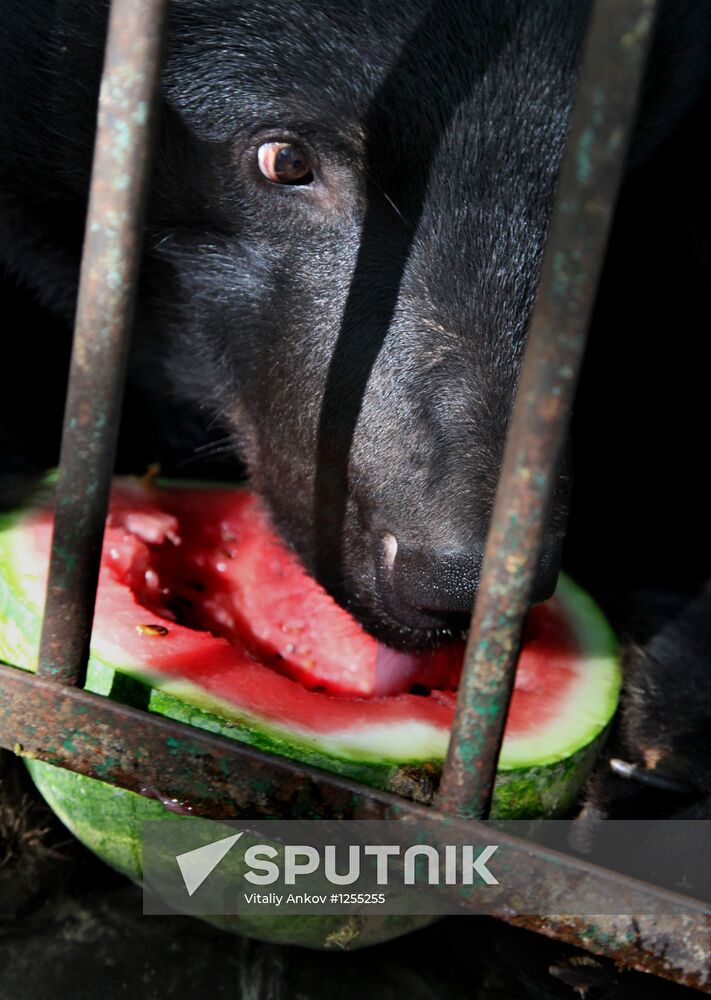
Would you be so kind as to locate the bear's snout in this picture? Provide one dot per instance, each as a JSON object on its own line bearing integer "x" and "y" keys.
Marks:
{"x": 431, "y": 588}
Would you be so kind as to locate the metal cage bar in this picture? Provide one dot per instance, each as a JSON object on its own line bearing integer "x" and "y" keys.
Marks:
{"x": 618, "y": 38}
{"x": 102, "y": 330}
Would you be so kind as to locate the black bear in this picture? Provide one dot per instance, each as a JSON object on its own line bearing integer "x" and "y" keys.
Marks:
{"x": 348, "y": 210}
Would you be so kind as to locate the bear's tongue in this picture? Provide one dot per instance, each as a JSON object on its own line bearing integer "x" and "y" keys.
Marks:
{"x": 396, "y": 672}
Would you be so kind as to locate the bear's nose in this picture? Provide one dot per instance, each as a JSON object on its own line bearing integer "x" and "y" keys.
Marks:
{"x": 427, "y": 588}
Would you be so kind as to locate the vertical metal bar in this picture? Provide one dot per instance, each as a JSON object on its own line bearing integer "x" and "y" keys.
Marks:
{"x": 109, "y": 268}
{"x": 604, "y": 113}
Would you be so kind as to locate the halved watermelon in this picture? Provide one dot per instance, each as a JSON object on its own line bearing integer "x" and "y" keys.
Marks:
{"x": 201, "y": 604}
{"x": 199, "y": 600}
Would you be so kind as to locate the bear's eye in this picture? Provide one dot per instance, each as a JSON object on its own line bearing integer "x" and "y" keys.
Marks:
{"x": 284, "y": 163}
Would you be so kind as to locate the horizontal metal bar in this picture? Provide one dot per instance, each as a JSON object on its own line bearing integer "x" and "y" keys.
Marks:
{"x": 601, "y": 124}
{"x": 109, "y": 270}
{"x": 158, "y": 757}
{"x": 209, "y": 775}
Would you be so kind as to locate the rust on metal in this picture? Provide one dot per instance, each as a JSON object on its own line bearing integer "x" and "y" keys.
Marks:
{"x": 160, "y": 758}
{"x": 601, "y": 122}
{"x": 109, "y": 269}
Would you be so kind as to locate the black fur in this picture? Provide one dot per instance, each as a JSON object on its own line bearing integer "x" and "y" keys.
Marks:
{"x": 355, "y": 342}
{"x": 664, "y": 727}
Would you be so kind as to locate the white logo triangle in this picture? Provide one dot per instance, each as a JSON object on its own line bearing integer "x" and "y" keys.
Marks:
{"x": 196, "y": 865}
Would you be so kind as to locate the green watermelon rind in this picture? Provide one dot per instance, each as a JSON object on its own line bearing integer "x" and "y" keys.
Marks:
{"x": 109, "y": 821}
{"x": 599, "y": 691}
{"x": 530, "y": 781}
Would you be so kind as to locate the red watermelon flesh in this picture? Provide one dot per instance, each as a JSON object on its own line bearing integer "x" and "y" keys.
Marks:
{"x": 233, "y": 577}
{"x": 237, "y": 616}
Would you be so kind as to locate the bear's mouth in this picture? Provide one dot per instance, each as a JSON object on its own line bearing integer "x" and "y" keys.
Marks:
{"x": 211, "y": 561}
{"x": 397, "y": 671}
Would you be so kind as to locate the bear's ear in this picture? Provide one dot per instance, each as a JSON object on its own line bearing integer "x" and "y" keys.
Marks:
{"x": 678, "y": 74}
{"x": 50, "y": 67}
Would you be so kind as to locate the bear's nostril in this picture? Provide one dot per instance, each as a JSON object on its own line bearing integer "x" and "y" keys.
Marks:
{"x": 430, "y": 588}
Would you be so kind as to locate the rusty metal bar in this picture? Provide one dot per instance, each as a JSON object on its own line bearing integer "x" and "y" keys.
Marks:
{"x": 109, "y": 270}
{"x": 603, "y": 116}
{"x": 186, "y": 768}
{"x": 194, "y": 771}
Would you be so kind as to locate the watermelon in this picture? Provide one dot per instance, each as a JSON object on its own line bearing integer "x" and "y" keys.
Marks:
{"x": 214, "y": 618}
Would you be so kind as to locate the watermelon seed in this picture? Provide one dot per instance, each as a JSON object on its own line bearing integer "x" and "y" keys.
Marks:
{"x": 159, "y": 630}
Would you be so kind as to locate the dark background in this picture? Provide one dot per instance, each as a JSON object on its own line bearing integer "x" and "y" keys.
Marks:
{"x": 639, "y": 515}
